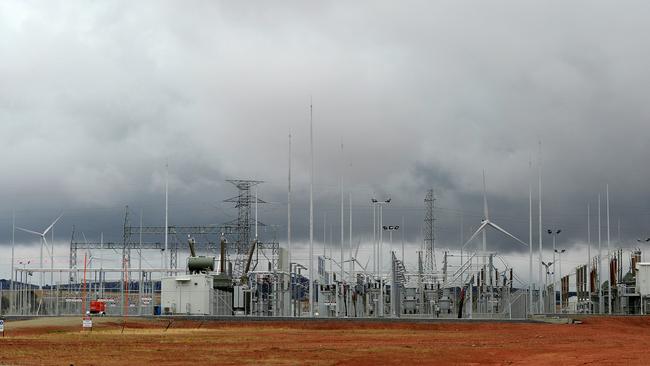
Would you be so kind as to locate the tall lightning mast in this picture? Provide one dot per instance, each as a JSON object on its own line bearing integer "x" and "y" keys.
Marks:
{"x": 539, "y": 206}
{"x": 609, "y": 265}
{"x": 165, "y": 256}
{"x": 342, "y": 217}
{"x": 311, "y": 212}
{"x": 530, "y": 237}
{"x": 289, "y": 211}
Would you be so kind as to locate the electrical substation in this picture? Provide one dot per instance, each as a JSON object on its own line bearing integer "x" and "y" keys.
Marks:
{"x": 232, "y": 271}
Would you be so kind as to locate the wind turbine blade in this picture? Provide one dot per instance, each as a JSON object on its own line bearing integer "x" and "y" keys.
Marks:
{"x": 360, "y": 265}
{"x": 497, "y": 227}
{"x": 29, "y": 231}
{"x": 486, "y": 213}
{"x": 480, "y": 228}
{"x": 46, "y": 245}
{"x": 356, "y": 252}
{"x": 52, "y": 225}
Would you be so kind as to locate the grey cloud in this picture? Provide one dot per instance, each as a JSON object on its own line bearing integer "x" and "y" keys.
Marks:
{"x": 95, "y": 97}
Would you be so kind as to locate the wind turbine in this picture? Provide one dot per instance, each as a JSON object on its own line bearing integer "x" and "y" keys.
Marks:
{"x": 355, "y": 259}
{"x": 486, "y": 222}
{"x": 44, "y": 243}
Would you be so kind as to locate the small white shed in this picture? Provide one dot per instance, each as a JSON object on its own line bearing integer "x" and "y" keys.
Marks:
{"x": 187, "y": 294}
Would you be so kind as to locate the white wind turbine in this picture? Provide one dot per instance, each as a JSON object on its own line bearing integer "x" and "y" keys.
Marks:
{"x": 356, "y": 260}
{"x": 485, "y": 223}
{"x": 44, "y": 243}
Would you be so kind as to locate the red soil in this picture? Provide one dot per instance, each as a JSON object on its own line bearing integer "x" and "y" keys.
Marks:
{"x": 620, "y": 340}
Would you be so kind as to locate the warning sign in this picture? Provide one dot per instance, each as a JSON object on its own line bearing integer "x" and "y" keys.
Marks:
{"x": 87, "y": 322}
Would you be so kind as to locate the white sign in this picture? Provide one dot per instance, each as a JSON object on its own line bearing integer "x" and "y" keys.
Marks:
{"x": 2, "y": 325}
{"x": 87, "y": 322}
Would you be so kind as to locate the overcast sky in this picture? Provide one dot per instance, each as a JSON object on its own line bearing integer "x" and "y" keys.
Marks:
{"x": 96, "y": 96}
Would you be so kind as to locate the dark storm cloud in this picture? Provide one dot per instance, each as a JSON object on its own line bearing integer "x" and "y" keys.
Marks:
{"x": 96, "y": 97}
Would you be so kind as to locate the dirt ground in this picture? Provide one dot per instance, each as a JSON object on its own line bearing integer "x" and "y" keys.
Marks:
{"x": 60, "y": 341}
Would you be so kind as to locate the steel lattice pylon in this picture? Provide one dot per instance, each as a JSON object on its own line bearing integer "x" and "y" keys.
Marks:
{"x": 429, "y": 240}
{"x": 242, "y": 225}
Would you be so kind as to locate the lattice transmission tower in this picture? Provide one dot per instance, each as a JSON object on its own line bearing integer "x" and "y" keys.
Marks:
{"x": 429, "y": 240}
{"x": 242, "y": 226}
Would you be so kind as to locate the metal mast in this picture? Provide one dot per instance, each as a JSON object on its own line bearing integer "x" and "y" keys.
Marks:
{"x": 601, "y": 300}
{"x": 289, "y": 214}
{"x": 165, "y": 261}
{"x": 530, "y": 239}
{"x": 589, "y": 257}
{"x": 429, "y": 243}
{"x": 539, "y": 206}
{"x": 609, "y": 264}
{"x": 342, "y": 222}
{"x": 311, "y": 212}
